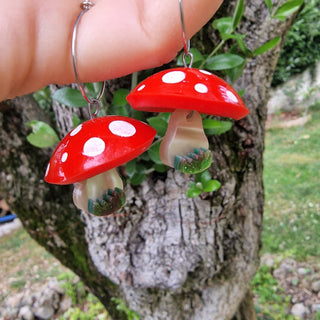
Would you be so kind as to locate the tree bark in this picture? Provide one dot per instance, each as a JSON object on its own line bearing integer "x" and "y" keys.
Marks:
{"x": 168, "y": 256}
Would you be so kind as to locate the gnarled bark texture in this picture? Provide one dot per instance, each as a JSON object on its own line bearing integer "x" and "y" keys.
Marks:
{"x": 168, "y": 256}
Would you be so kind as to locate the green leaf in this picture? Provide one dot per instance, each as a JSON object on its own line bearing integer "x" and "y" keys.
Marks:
{"x": 159, "y": 124}
{"x": 145, "y": 156}
{"x": 137, "y": 179}
{"x": 43, "y": 97}
{"x": 160, "y": 167}
{"x": 199, "y": 186}
{"x": 287, "y": 9}
{"x": 212, "y": 126}
{"x": 69, "y": 97}
{"x": 239, "y": 38}
{"x": 75, "y": 120}
{"x": 223, "y": 25}
{"x": 119, "y": 110}
{"x": 120, "y": 97}
{"x": 242, "y": 92}
{"x": 193, "y": 192}
{"x": 211, "y": 185}
{"x": 197, "y": 57}
{"x": 267, "y": 46}
{"x": 237, "y": 16}
{"x": 139, "y": 174}
{"x": 205, "y": 176}
{"x": 153, "y": 152}
{"x": 224, "y": 61}
{"x": 235, "y": 73}
{"x": 94, "y": 88}
{"x": 131, "y": 168}
{"x": 139, "y": 115}
{"x": 91, "y": 87}
{"x": 192, "y": 185}
{"x": 268, "y": 4}
{"x": 165, "y": 116}
{"x": 42, "y": 135}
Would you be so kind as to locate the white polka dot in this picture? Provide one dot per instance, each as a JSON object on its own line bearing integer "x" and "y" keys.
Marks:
{"x": 76, "y": 130}
{"x": 93, "y": 147}
{"x": 231, "y": 96}
{"x": 206, "y": 72}
{"x": 48, "y": 168}
{"x": 122, "y": 128}
{"x": 64, "y": 157}
{"x": 141, "y": 87}
{"x": 228, "y": 95}
{"x": 173, "y": 77}
{"x": 201, "y": 88}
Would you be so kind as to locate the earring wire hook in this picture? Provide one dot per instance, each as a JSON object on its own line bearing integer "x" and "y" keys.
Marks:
{"x": 186, "y": 43}
{"x": 85, "y": 6}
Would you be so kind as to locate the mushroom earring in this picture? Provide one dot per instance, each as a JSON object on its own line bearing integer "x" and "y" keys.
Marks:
{"x": 88, "y": 157}
{"x": 187, "y": 92}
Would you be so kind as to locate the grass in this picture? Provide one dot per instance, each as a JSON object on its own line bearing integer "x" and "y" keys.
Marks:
{"x": 292, "y": 210}
{"x": 292, "y": 178}
{"x": 271, "y": 302}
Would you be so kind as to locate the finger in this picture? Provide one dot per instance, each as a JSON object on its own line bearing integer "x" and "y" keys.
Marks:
{"x": 144, "y": 35}
{"x": 115, "y": 38}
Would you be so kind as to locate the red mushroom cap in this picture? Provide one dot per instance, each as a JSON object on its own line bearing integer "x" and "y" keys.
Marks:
{"x": 96, "y": 146}
{"x": 187, "y": 88}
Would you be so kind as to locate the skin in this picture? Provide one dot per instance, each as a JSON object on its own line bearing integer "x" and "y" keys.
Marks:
{"x": 115, "y": 38}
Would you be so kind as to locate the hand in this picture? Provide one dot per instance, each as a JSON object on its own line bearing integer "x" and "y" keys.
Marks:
{"x": 115, "y": 38}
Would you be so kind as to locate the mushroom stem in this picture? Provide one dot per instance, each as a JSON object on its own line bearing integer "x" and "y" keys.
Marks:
{"x": 185, "y": 145}
{"x": 100, "y": 195}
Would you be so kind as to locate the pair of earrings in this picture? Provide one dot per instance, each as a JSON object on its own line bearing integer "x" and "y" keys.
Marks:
{"x": 88, "y": 155}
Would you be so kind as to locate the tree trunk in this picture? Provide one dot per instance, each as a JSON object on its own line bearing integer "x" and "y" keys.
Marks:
{"x": 168, "y": 256}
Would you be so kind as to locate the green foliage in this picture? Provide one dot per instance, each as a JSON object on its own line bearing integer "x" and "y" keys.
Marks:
{"x": 238, "y": 12}
{"x": 302, "y": 46}
{"x": 232, "y": 63}
{"x": 159, "y": 124}
{"x": 224, "y": 26}
{"x": 136, "y": 172}
{"x": 42, "y": 135}
{"x": 69, "y": 97}
{"x": 95, "y": 310}
{"x": 72, "y": 289}
{"x": 269, "y": 5}
{"x": 203, "y": 183}
{"x": 288, "y": 8}
{"x": 43, "y": 98}
{"x": 153, "y": 152}
{"x": 215, "y": 127}
{"x": 119, "y": 98}
{"x": 197, "y": 58}
{"x": 224, "y": 61}
{"x": 78, "y": 294}
{"x": 271, "y": 303}
{"x": 121, "y": 306}
{"x": 120, "y": 107}
{"x": 73, "y": 97}
{"x": 267, "y": 46}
